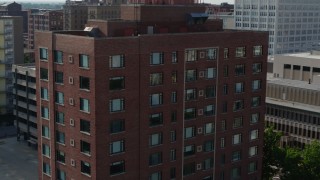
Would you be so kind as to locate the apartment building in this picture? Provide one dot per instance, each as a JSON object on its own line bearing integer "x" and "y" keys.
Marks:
{"x": 168, "y": 97}
{"x": 25, "y": 102}
{"x": 43, "y": 20}
{"x": 11, "y": 51}
{"x": 15, "y": 9}
{"x": 293, "y": 25}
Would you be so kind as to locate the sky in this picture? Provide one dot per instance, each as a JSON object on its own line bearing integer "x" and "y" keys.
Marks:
{"x": 206, "y": 1}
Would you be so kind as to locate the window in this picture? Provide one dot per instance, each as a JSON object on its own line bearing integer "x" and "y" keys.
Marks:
{"x": 85, "y": 168}
{"x": 212, "y": 54}
{"x": 43, "y": 53}
{"x": 255, "y": 102}
{"x": 254, "y": 134}
{"x": 59, "y": 117}
{"x": 191, "y": 75}
{"x": 60, "y": 137}
{"x": 44, "y": 93}
{"x": 155, "y": 176}
{"x": 85, "y": 126}
{"x": 116, "y": 61}
{"x": 239, "y": 69}
{"x": 208, "y": 163}
{"x": 257, "y": 50}
{"x": 155, "y": 158}
{"x": 210, "y": 91}
{"x": 209, "y": 110}
{"x": 117, "y": 167}
{"x": 225, "y": 89}
{"x": 223, "y": 125}
{"x": 226, "y": 53}
{"x": 46, "y": 150}
{"x": 156, "y": 99}
{"x": 189, "y": 168}
{"x": 155, "y": 119}
{"x": 117, "y": 147}
{"x": 208, "y": 128}
{"x": 83, "y": 61}
{"x": 84, "y": 83}
{"x": 237, "y": 122}
{"x": 253, "y": 151}
{"x": 252, "y": 167}
{"x": 239, "y": 87}
{"x": 225, "y": 71}
{"x": 58, "y": 77}
{"x": 189, "y": 132}
{"x": 256, "y": 68}
{"x": 59, "y": 98}
{"x": 44, "y": 74}
{"x": 84, "y": 105}
{"x": 116, "y": 83}
{"x": 156, "y": 79}
{"x": 236, "y": 156}
{"x": 156, "y": 58}
{"x": 46, "y": 168}
{"x": 238, "y": 105}
{"x": 208, "y": 146}
{"x": 211, "y": 73}
{"x": 236, "y": 173}
{"x": 58, "y": 56}
{"x": 155, "y": 139}
{"x": 174, "y": 116}
{"x": 254, "y": 118}
{"x": 173, "y": 173}
{"x": 236, "y": 139}
{"x": 174, "y": 57}
{"x": 61, "y": 156}
{"x": 191, "y": 55}
{"x": 189, "y": 113}
{"x": 44, "y": 112}
{"x": 191, "y": 94}
{"x": 256, "y": 85}
{"x": 173, "y": 155}
{"x": 172, "y": 136}
{"x": 174, "y": 96}
{"x": 189, "y": 150}
{"x": 224, "y": 107}
{"x": 61, "y": 175}
{"x": 85, "y": 147}
{"x": 45, "y": 132}
{"x": 222, "y": 143}
{"x": 116, "y": 105}
{"x": 240, "y": 52}
{"x": 117, "y": 126}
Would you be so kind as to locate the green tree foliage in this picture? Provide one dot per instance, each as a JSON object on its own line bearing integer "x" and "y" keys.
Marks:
{"x": 311, "y": 160}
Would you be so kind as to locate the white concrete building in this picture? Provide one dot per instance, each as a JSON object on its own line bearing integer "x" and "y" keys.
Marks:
{"x": 293, "y": 25}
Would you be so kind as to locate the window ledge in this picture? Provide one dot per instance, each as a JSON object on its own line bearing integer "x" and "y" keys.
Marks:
{"x": 111, "y": 175}
{"x": 46, "y": 174}
{"x": 85, "y": 68}
{"x": 89, "y": 155}
{"x": 85, "y": 174}
{"x": 63, "y": 163}
{"x": 86, "y": 133}
{"x": 86, "y": 90}
{"x": 84, "y": 111}
{"x": 61, "y": 143}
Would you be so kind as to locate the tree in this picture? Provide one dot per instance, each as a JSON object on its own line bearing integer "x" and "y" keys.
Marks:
{"x": 291, "y": 165}
{"x": 311, "y": 160}
{"x": 272, "y": 153}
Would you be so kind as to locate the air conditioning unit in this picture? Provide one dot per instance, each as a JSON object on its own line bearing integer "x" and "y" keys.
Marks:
{"x": 199, "y": 148}
{"x": 72, "y": 142}
{"x": 70, "y": 80}
{"x": 199, "y": 166}
{"x": 70, "y": 58}
{"x": 73, "y": 162}
{"x": 71, "y": 122}
{"x": 200, "y": 93}
{"x": 71, "y": 101}
{"x": 200, "y": 130}
{"x": 201, "y": 74}
{"x": 200, "y": 112}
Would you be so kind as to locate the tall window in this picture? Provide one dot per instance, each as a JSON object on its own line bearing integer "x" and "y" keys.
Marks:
{"x": 239, "y": 87}
{"x": 43, "y": 53}
{"x": 254, "y": 118}
{"x": 208, "y": 163}
{"x": 253, "y": 151}
{"x": 46, "y": 168}
{"x": 61, "y": 157}
{"x": 156, "y": 176}
{"x": 191, "y": 55}
{"x": 173, "y": 155}
{"x": 155, "y": 119}
{"x": 84, "y": 61}
{"x": 189, "y": 150}
{"x": 85, "y": 147}
{"x": 238, "y": 105}
{"x": 155, "y": 158}
{"x": 252, "y": 167}
{"x": 44, "y": 74}
{"x": 210, "y": 91}
{"x": 240, "y": 69}
{"x": 116, "y": 83}
{"x": 189, "y": 113}
{"x": 189, "y": 168}
{"x": 85, "y": 126}
{"x": 226, "y": 53}
{"x": 240, "y": 52}
{"x": 45, "y": 112}
{"x": 208, "y": 146}
{"x": 236, "y": 173}
{"x": 117, "y": 147}
{"x": 211, "y": 73}
{"x": 174, "y": 96}
{"x": 84, "y": 105}
{"x": 59, "y": 117}
{"x": 255, "y": 102}
{"x": 117, "y": 167}
{"x": 116, "y": 61}
{"x": 256, "y": 85}
{"x": 46, "y": 150}
{"x": 45, "y": 132}
{"x": 189, "y": 132}
{"x": 237, "y": 122}
{"x": 44, "y": 93}
{"x": 236, "y": 139}
{"x": 59, "y": 97}
{"x": 155, "y": 139}
{"x": 117, "y": 126}
{"x": 58, "y": 77}
{"x": 174, "y": 57}
{"x": 58, "y": 57}
{"x": 208, "y": 128}
{"x": 257, "y": 50}
{"x": 61, "y": 175}
{"x": 116, "y": 105}
{"x": 174, "y": 77}
{"x": 84, "y": 82}
{"x": 191, "y": 75}
{"x": 156, "y": 58}
{"x": 256, "y": 68}
{"x": 209, "y": 110}
{"x": 156, "y": 99}
{"x": 156, "y": 79}
{"x": 190, "y": 94}
{"x": 236, "y": 155}
{"x": 212, "y": 53}
{"x": 60, "y": 137}
{"x": 254, "y": 134}
{"x": 85, "y": 168}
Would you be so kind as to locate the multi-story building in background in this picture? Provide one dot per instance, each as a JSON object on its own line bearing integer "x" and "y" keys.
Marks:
{"x": 25, "y": 102}
{"x": 75, "y": 15}
{"x": 15, "y": 9}
{"x": 293, "y": 98}
{"x": 153, "y": 96}
{"x": 11, "y": 51}
{"x": 43, "y": 20}
{"x": 293, "y": 26}
{"x": 104, "y": 12}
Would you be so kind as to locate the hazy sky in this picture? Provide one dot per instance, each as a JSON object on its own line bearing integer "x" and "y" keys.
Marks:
{"x": 206, "y": 1}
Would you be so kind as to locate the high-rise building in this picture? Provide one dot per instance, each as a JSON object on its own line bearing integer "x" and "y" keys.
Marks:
{"x": 15, "y": 9}
{"x": 11, "y": 51}
{"x": 162, "y": 94}
{"x": 293, "y": 25}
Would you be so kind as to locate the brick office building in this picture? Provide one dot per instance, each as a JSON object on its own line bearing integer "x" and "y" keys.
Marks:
{"x": 158, "y": 97}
